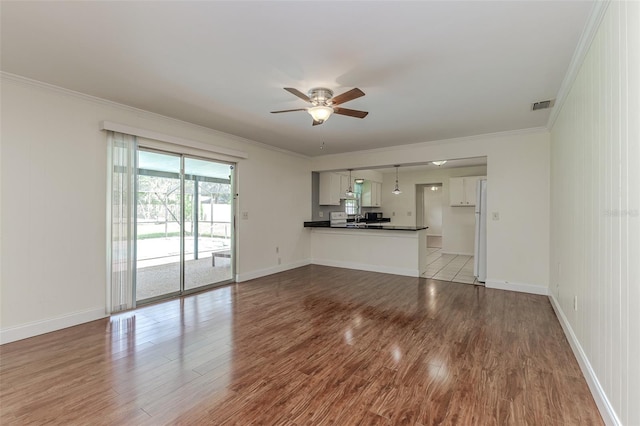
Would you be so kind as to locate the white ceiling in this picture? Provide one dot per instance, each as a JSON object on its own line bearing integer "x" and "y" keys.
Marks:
{"x": 431, "y": 70}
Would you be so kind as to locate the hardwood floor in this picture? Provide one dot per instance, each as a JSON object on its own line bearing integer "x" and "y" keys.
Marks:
{"x": 315, "y": 345}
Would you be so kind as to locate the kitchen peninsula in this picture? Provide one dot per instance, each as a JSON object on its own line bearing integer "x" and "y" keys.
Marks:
{"x": 376, "y": 247}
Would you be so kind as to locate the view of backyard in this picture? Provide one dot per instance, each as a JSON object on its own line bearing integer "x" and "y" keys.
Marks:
{"x": 207, "y": 230}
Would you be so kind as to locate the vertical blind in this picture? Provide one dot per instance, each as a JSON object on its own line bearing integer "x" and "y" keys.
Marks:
{"x": 121, "y": 203}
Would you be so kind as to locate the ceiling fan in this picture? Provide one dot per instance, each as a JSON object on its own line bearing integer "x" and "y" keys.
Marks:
{"x": 324, "y": 103}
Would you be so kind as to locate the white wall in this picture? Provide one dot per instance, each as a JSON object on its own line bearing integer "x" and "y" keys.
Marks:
{"x": 595, "y": 209}
{"x": 518, "y": 175}
{"x": 53, "y": 271}
{"x": 433, "y": 205}
{"x": 458, "y": 223}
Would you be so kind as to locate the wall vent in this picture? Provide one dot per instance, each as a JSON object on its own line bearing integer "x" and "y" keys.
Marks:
{"x": 542, "y": 104}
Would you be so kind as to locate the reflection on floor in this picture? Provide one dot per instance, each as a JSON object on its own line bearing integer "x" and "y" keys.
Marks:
{"x": 449, "y": 267}
{"x": 157, "y": 280}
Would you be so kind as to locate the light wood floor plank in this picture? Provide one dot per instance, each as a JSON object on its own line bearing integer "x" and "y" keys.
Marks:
{"x": 314, "y": 345}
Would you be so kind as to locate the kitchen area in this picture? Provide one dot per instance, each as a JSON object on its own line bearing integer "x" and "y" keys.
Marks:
{"x": 349, "y": 229}
{"x": 376, "y": 220}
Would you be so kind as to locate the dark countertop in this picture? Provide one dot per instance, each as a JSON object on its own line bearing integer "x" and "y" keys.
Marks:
{"x": 374, "y": 225}
{"x": 327, "y": 223}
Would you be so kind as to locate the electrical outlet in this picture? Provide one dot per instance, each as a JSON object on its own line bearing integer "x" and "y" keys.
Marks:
{"x": 393, "y": 213}
{"x": 277, "y": 249}
{"x": 245, "y": 215}
{"x": 495, "y": 215}
{"x": 321, "y": 214}
{"x": 408, "y": 213}
{"x": 575, "y": 303}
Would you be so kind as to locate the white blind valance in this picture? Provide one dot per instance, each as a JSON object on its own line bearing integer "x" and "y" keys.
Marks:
{"x": 175, "y": 140}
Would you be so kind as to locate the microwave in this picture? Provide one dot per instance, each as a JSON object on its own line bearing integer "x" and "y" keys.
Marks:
{"x": 373, "y": 216}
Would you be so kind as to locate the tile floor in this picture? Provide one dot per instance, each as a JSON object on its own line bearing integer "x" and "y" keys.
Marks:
{"x": 448, "y": 267}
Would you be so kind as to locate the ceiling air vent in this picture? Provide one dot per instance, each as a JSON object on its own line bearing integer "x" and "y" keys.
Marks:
{"x": 542, "y": 104}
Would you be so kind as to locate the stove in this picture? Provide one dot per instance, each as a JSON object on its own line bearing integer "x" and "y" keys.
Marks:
{"x": 338, "y": 218}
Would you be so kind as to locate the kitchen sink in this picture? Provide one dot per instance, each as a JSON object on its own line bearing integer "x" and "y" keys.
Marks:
{"x": 356, "y": 225}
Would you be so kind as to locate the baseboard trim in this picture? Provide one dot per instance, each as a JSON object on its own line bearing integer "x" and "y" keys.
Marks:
{"x": 457, "y": 253}
{"x": 367, "y": 267}
{"x": 606, "y": 410}
{"x": 270, "y": 271}
{"x": 20, "y": 332}
{"x": 519, "y": 287}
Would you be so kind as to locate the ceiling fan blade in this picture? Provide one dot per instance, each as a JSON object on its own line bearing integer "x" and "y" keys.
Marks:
{"x": 297, "y": 93}
{"x": 350, "y": 112}
{"x": 347, "y": 96}
{"x": 288, "y": 110}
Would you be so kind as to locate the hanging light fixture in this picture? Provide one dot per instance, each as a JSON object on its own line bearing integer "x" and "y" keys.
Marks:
{"x": 349, "y": 192}
{"x": 439, "y": 163}
{"x": 359, "y": 180}
{"x": 396, "y": 190}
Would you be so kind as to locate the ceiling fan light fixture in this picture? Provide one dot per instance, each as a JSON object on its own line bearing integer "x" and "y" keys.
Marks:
{"x": 320, "y": 113}
{"x": 324, "y": 104}
{"x": 439, "y": 163}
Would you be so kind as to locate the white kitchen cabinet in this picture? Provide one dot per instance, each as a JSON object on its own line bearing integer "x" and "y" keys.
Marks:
{"x": 371, "y": 194}
{"x": 462, "y": 191}
{"x": 377, "y": 191}
{"x": 344, "y": 186}
{"x": 330, "y": 184}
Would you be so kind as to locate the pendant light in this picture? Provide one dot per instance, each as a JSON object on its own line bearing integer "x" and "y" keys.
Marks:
{"x": 396, "y": 190}
{"x": 349, "y": 192}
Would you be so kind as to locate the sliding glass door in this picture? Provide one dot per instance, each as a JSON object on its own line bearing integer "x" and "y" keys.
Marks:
{"x": 184, "y": 232}
{"x": 207, "y": 242}
{"x": 158, "y": 212}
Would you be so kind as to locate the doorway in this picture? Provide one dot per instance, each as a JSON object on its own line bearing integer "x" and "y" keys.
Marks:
{"x": 429, "y": 202}
{"x": 184, "y": 224}
{"x": 432, "y": 211}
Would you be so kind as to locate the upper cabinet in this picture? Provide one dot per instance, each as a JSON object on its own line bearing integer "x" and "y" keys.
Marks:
{"x": 333, "y": 188}
{"x": 462, "y": 191}
{"x": 371, "y": 194}
{"x": 330, "y": 184}
{"x": 344, "y": 186}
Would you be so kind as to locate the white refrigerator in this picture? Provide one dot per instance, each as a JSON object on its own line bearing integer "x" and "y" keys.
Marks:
{"x": 480, "y": 250}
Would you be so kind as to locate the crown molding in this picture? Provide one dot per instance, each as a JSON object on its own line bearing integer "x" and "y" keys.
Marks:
{"x": 141, "y": 112}
{"x": 582, "y": 49}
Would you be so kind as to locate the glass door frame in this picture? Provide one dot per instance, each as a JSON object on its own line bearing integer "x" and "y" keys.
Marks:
{"x": 232, "y": 223}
